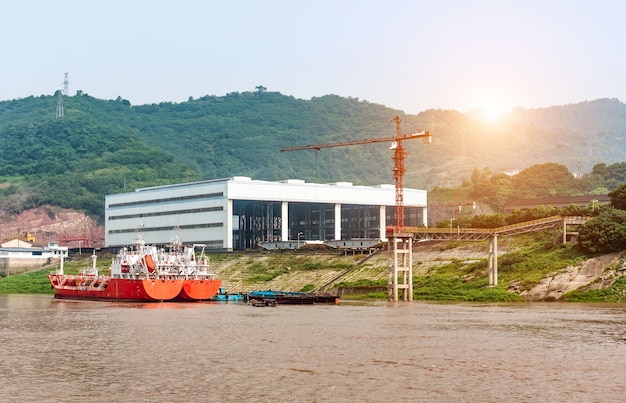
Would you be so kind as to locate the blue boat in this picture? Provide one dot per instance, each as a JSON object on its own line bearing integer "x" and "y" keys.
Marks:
{"x": 291, "y": 297}
{"x": 223, "y": 295}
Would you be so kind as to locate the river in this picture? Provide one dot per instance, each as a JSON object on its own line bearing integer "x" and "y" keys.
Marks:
{"x": 87, "y": 351}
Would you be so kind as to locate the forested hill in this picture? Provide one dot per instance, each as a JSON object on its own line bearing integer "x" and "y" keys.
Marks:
{"x": 102, "y": 147}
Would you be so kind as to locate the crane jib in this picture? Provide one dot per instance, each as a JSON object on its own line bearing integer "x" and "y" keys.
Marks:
{"x": 399, "y": 156}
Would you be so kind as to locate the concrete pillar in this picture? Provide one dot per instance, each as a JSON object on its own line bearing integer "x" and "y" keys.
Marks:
{"x": 228, "y": 241}
{"x": 383, "y": 223}
{"x": 395, "y": 269}
{"x": 390, "y": 271}
{"x": 338, "y": 221}
{"x": 400, "y": 248}
{"x": 407, "y": 284}
{"x": 490, "y": 260}
{"x": 284, "y": 221}
{"x": 425, "y": 216}
{"x": 495, "y": 259}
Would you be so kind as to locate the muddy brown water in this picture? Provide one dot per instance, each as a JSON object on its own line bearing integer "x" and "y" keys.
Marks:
{"x": 66, "y": 351}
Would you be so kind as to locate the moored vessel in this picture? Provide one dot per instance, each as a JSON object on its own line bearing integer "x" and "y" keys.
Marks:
{"x": 294, "y": 297}
{"x": 225, "y": 296}
{"x": 143, "y": 273}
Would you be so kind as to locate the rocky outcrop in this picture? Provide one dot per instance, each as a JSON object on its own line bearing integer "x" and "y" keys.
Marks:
{"x": 49, "y": 224}
{"x": 594, "y": 273}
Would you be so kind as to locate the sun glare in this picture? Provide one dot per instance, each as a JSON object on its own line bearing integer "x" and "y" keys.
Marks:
{"x": 492, "y": 114}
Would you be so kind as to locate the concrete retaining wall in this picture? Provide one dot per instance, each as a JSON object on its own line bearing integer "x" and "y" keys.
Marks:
{"x": 21, "y": 265}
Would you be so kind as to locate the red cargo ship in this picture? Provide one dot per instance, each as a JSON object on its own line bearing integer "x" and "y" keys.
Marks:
{"x": 145, "y": 273}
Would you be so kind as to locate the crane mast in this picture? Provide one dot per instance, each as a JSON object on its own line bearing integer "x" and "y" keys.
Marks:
{"x": 398, "y": 158}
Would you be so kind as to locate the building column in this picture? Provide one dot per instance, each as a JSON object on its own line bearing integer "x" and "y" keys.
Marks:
{"x": 284, "y": 221}
{"x": 337, "y": 221}
{"x": 425, "y": 216}
{"x": 228, "y": 241}
{"x": 383, "y": 223}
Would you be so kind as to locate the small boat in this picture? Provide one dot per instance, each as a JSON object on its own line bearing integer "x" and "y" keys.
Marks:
{"x": 143, "y": 273}
{"x": 262, "y": 302}
{"x": 223, "y": 295}
{"x": 294, "y": 298}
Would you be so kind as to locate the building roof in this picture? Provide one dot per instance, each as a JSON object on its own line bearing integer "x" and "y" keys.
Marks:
{"x": 291, "y": 190}
{"x": 16, "y": 243}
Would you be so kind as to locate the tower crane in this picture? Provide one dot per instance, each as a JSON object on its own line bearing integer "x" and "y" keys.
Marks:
{"x": 398, "y": 158}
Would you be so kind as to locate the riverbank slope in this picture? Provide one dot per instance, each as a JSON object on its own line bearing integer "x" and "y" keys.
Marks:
{"x": 530, "y": 268}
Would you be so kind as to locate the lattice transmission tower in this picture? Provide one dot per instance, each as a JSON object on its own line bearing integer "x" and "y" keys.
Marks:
{"x": 60, "y": 109}
{"x": 66, "y": 85}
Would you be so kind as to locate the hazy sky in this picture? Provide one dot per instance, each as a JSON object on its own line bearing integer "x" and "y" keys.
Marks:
{"x": 410, "y": 55}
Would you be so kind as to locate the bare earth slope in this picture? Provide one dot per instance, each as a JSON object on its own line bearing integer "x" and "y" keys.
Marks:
{"x": 49, "y": 224}
{"x": 596, "y": 273}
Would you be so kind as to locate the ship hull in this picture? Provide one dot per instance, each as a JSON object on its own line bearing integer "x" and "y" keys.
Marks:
{"x": 198, "y": 290}
{"x": 106, "y": 288}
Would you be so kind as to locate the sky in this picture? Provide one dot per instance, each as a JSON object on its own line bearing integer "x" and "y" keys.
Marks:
{"x": 410, "y": 55}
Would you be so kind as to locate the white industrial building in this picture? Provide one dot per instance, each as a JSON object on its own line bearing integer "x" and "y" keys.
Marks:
{"x": 18, "y": 256}
{"x": 238, "y": 213}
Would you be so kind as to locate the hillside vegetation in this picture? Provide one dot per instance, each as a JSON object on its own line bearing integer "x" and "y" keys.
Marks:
{"x": 104, "y": 147}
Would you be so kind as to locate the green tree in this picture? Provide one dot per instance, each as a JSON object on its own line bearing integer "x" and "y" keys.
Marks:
{"x": 501, "y": 190}
{"x": 530, "y": 214}
{"x": 480, "y": 183}
{"x": 604, "y": 234}
{"x": 550, "y": 179}
{"x": 488, "y": 221}
{"x": 618, "y": 197}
